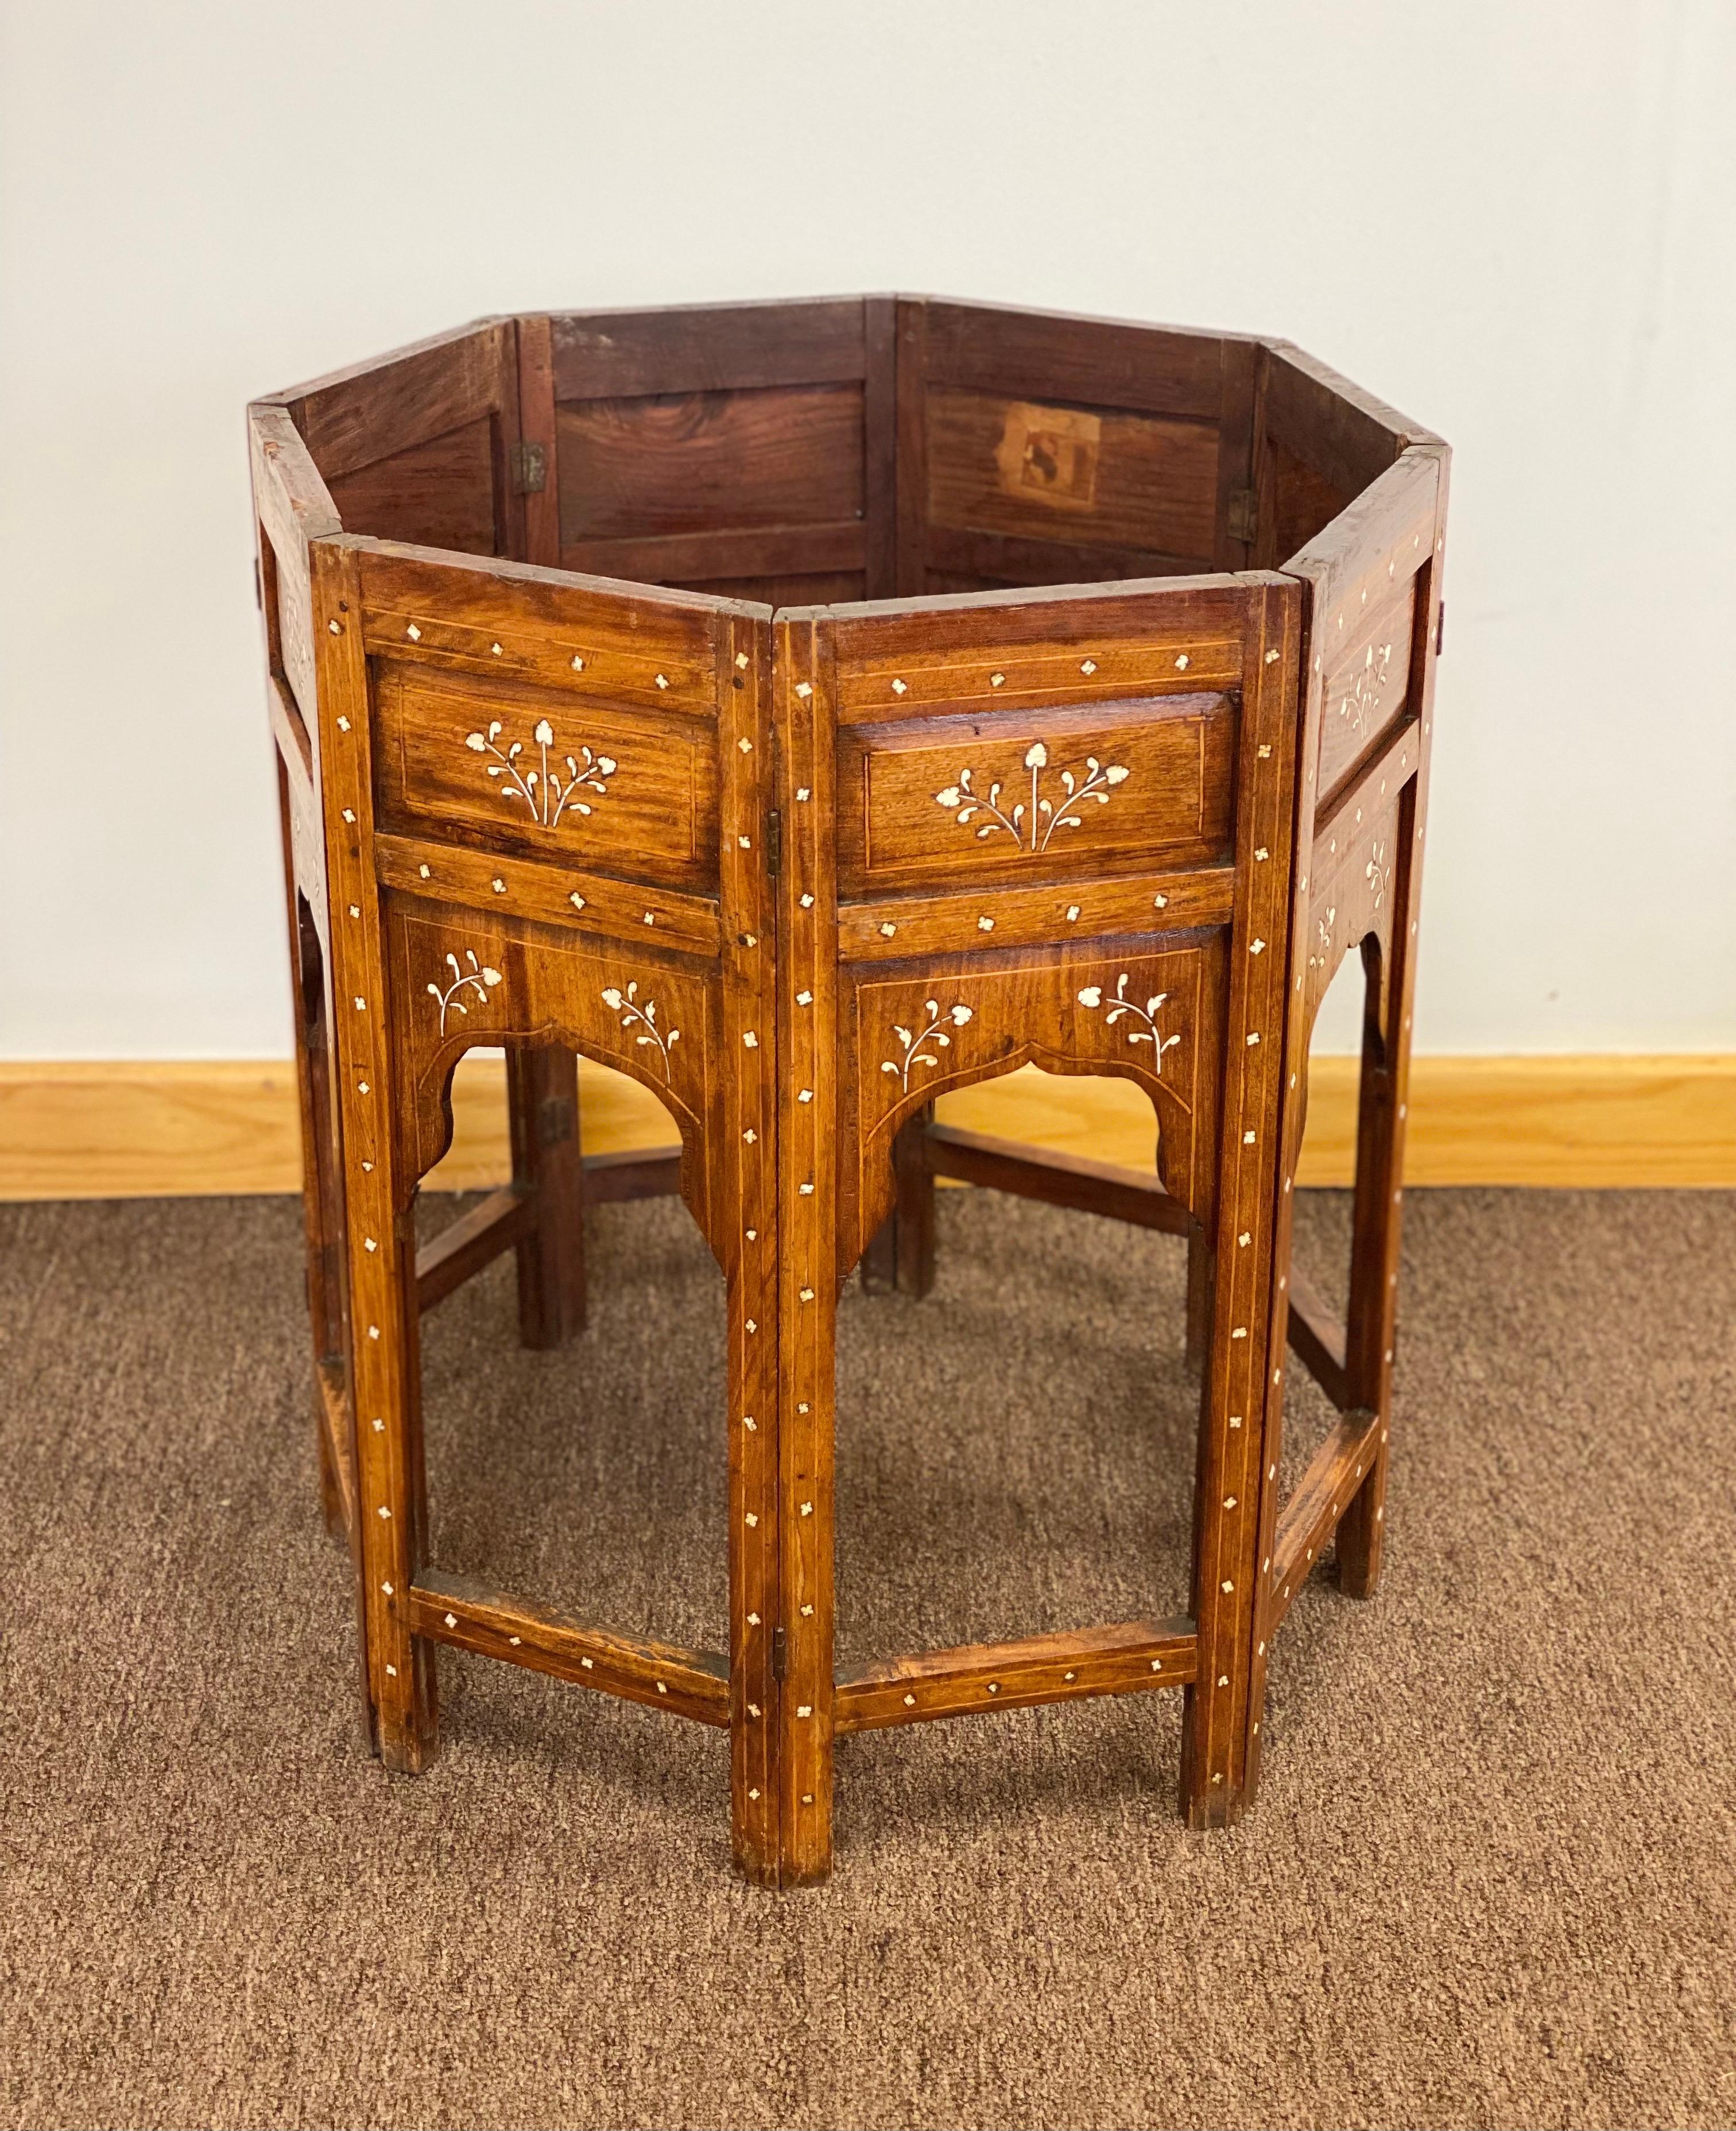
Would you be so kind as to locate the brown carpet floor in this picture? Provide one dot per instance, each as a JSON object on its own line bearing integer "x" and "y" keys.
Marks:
{"x": 1491, "y": 1879}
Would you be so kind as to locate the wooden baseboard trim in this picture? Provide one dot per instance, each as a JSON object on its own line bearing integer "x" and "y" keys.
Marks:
{"x": 195, "y": 1127}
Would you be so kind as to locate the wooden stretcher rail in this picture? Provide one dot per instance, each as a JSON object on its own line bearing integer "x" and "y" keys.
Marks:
{"x": 686, "y": 1683}
{"x": 1126, "y": 1658}
{"x": 1317, "y": 1334}
{"x": 473, "y": 1239}
{"x": 652, "y": 1173}
{"x": 503, "y": 1218}
{"x": 1059, "y": 1180}
{"x": 1310, "y": 1517}
{"x": 334, "y": 1418}
{"x": 551, "y": 894}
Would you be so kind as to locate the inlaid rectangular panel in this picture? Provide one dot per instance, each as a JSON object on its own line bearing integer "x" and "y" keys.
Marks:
{"x": 1097, "y": 477}
{"x": 545, "y": 774}
{"x": 1003, "y": 796}
{"x": 1367, "y": 677}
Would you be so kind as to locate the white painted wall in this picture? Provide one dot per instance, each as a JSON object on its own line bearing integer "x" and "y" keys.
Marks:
{"x": 1513, "y": 220}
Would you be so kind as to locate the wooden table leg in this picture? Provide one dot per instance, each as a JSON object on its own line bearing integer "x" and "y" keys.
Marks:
{"x": 1244, "y": 1345}
{"x": 543, "y": 1108}
{"x": 1371, "y": 1335}
{"x": 913, "y": 1210}
{"x": 379, "y": 1237}
{"x": 1371, "y": 1330}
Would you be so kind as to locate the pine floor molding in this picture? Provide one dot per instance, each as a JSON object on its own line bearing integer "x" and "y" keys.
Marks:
{"x": 183, "y": 1129}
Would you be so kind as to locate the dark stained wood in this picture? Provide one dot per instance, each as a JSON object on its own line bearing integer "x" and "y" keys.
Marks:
{"x": 736, "y": 552}
{"x": 909, "y": 448}
{"x": 1101, "y": 478}
{"x": 543, "y": 1108}
{"x": 913, "y": 1207}
{"x": 440, "y": 494}
{"x": 707, "y": 347}
{"x": 1012, "y": 777}
{"x": 1234, "y": 536}
{"x": 610, "y": 1179}
{"x": 354, "y": 417}
{"x": 1153, "y": 370}
{"x": 542, "y": 502}
{"x": 880, "y": 448}
{"x": 980, "y": 558}
{"x": 699, "y": 462}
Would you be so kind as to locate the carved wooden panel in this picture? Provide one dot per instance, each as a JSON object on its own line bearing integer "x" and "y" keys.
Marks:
{"x": 1367, "y": 676}
{"x": 465, "y": 981}
{"x": 1350, "y": 891}
{"x": 551, "y": 774}
{"x": 1147, "y": 1011}
{"x": 1008, "y": 794}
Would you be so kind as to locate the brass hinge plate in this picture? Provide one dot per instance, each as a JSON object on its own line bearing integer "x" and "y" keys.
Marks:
{"x": 529, "y": 468}
{"x": 774, "y": 844}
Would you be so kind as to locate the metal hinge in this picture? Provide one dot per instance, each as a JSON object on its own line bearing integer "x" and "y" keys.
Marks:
{"x": 774, "y": 844}
{"x": 555, "y": 1120}
{"x": 529, "y": 468}
{"x": 777, "y": 1654}
{"x": 1440, "y": 627}
{"x": 1244, "y": 514}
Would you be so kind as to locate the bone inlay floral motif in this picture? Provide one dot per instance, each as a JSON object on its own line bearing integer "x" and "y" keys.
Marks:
{"x": 477, "y": 978}
{"x": 1120, "y": 1006}
{"x": 1031, "y": 824}
{"x": 641, "y": 1015}
{"x": 1362, "y": 699}
{"x": 915, "y": 1042}
{"x": 545, "y": 791}
{"x": 1376, "y": 873}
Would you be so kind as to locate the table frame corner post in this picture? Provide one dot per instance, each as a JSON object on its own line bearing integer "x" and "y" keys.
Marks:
{"x": 744, "y": 1151}
{"x": 380, "y": 1244}
{"x": 1244, "y": 1348}
{"x": 1383, "y": 1098}
{"x": 808, "y": 1059}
